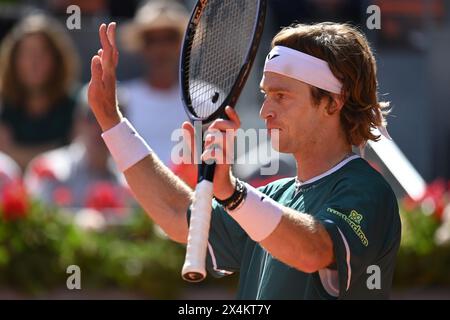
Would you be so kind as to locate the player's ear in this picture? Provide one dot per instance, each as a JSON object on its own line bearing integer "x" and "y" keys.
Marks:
{"x": 335, "y": 103}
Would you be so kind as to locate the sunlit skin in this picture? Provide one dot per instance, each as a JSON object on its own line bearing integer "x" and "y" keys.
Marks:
{"x": 311, "y": 133}
{"x": 287, "y": 108}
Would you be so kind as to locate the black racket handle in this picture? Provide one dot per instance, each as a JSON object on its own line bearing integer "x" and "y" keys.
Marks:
{"x": 206, "y": 171}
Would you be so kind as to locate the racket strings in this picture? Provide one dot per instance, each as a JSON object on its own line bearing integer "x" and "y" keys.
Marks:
{"x": 219, "y": 49}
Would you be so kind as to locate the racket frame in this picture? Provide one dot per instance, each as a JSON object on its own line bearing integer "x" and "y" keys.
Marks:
{"x": 194, "y": 270}
{"x": 243, "y": 74}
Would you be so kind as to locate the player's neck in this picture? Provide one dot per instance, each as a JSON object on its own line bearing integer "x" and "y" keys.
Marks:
{"x": 321, "y": 158}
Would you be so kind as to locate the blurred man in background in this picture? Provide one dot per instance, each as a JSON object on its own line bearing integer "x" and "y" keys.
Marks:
{"x": 155, "y": 34}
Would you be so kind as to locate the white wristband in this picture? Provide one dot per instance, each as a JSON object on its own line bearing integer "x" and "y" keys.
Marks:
{"x": 126, "y": 146}
{"x": 259, "y": 215}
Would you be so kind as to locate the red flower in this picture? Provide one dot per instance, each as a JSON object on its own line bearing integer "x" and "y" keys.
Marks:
{"x": 104, "y": 195}
{"x": 409, "y": 203}
{"x": 433, "y": 201}
{"x": 439, "y": 209}
{"x": 62, "y": 196}
{"x": 436, "y": 189}
{"x": 41, "y": 168}
{"x": 14, "y": 201}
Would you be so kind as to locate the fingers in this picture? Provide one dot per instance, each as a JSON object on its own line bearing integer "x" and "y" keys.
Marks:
{"x": 109, "y": 51}
{"x": 111, "y": 33}
{"x": 232, "y": 114}
{"x": 214, "y": 154}
{"x": 219, "y": 146}
{"x": 215, "y": 146}
{"x": 104, "y": 38}
{"x": 214, "y": 137}
{"x": 219, "y": 139}
{"x": 189, "y": 140}
{"x": 233, "y": 123}
{"x": 188, "y": 127}
{"x": 96, "y": 70}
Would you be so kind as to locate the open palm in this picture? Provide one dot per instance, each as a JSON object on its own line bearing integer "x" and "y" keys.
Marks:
{"x": 102, "y": 87}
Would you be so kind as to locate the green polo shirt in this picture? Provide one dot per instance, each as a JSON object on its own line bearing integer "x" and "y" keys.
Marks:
{"x": 358, "y": 209}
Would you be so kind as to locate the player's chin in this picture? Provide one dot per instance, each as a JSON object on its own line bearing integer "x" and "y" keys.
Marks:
{"x": 278, "y": 145}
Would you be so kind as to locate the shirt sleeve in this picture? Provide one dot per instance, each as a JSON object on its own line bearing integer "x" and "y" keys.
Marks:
{"x": 362, "y": 223}
{"x": 226, "y": 243}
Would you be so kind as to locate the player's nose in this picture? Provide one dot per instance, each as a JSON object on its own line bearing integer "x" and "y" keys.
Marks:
{"x": 266, "y": 112}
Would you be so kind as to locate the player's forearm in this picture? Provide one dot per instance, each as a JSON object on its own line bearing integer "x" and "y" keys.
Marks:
{"x": 162, "y": 194}
{"x": 301, "y": 242}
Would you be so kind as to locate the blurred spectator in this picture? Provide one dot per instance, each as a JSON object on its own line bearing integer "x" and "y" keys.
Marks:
{"x": 38, "y": 69}
{"x": 93, "y": 13}
{"x": 404, "y": 22}
{"x": 156, "y": 34}
{"x": 82, "y": 174}
{"x": 307, "y": 11}
{"x": 87, "y": 7}
{"x": 113, "y": 8}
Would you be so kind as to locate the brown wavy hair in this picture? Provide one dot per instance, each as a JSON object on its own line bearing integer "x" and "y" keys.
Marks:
{"x": 351, "y": 60}
{"x": 66, "y": 60}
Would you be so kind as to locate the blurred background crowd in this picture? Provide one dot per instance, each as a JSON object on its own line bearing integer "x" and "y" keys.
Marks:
{"x": 50, "y": 144}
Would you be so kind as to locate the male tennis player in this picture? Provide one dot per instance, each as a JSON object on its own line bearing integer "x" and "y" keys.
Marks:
{"x": 331, "y": 232}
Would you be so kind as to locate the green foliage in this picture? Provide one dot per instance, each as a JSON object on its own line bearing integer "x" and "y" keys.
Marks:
{"x": 36, "y": 249}
{"x": 421, "y": 261}
{"x": 35, "y": 252}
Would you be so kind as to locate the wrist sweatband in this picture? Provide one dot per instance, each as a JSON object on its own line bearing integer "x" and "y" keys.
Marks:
{"x": 126, "y": 146}
{"x": 259, "y": 215}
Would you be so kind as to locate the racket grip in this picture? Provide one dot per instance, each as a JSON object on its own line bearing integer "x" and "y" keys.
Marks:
{"x": 194, "y": 263}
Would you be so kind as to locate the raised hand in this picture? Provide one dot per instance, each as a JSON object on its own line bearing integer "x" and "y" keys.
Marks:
{"x": 102, "y": 94}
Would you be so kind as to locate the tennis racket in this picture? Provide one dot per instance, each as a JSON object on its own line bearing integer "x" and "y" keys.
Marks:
{"x": 219, "y": 48}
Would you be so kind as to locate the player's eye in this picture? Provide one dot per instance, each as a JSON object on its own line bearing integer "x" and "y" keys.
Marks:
{"x": 279, "y": 96}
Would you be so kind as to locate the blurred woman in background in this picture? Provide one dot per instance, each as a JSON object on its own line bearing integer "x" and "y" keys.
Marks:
{"x": 38, "y": 70}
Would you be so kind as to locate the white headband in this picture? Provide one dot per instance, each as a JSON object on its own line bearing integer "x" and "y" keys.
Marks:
{"x": 301, "y": 66}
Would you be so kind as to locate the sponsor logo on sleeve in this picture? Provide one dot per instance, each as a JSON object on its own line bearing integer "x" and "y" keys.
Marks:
{"x": 354, "y": 220}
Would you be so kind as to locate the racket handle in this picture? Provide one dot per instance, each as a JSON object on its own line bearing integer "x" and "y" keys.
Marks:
{"x": 194, "y": 263}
